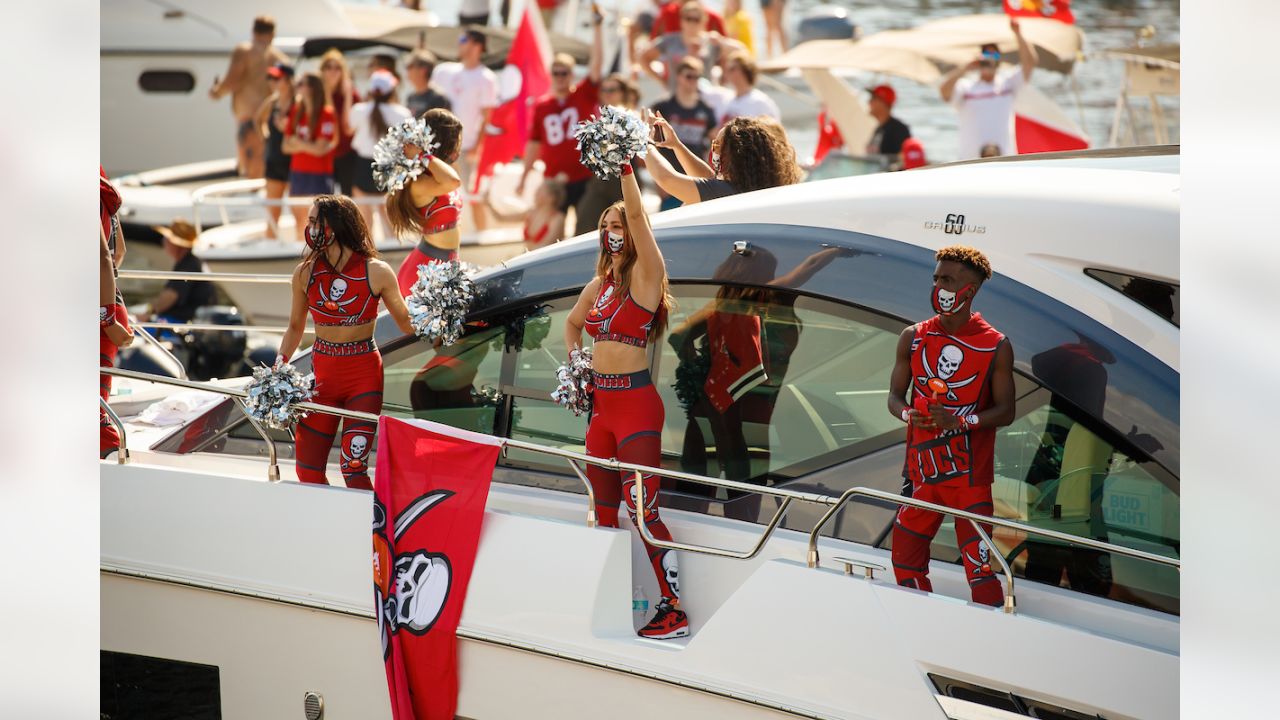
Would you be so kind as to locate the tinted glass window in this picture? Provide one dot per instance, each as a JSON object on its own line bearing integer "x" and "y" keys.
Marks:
{"x": 456, "y": 385}
{"x": 167, "y": 81}
{"x": 1054, "y": 472}
{"x": 1157, "y": 296}
{"x": 137, "y": 686}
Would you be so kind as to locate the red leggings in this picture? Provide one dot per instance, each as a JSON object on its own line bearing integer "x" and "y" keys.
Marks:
{"x": 108, "y": 438}
{"x": 626, "y": 423}
{"x": 914, "y": 529}
{"x": 349, "y": 376}
{"x": 421, "y": 255}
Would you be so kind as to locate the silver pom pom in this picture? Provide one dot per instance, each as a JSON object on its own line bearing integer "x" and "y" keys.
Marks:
{"x": 609, "y": 141}
{"x": 576, "y": 387}
{"x": 392, "y": 170}
{"x": 274, "y": 392}
{"x": 440, "y": 299}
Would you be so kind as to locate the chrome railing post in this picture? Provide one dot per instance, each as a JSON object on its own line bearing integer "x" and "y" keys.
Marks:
{"x": 151, "y": 339}
{"x": 273, "y": 469}
{"x": 812, "y": 558}
{"x": 122, "y": 455}
{"x": 1009, "y": 602}
{"x": 586, "y": 483}
{"x": 643, "y": 528}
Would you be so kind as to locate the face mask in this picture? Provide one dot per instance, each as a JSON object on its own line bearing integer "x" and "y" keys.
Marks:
{"x": 315, "y": 236}
{"x": 611, "y": 241}
{"x": 946, "y": 303}
{"x": 715, "y": 162}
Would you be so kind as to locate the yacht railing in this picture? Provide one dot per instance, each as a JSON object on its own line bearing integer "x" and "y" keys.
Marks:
{"x": 575, "y": 460}
{"x": 215, "y": 194}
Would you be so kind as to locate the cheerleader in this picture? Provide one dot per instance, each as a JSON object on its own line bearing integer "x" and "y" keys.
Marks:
{"x": 340, "y": 281}
{"x": 431, "y": 204}
{"x": 624, "y": 309}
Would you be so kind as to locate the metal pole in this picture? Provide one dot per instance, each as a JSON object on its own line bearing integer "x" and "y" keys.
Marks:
{"x": 273, "y": 469}
{"x": 122, "y": 456}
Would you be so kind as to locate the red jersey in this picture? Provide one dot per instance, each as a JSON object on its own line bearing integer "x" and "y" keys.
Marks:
{"x": 345, "y": 134}
{"x": 618, "y": 318}
{"x": 555, "y": 122}
{"x": 441, "y": 214}
{"x": 958, "y": 369}
{"x": 341, "y": 297}
{"x": 300, "y": 125}
{"x": 737, "y": 361}
{"x": 668, "y": 20}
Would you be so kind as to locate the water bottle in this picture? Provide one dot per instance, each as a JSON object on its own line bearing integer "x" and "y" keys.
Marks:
{"x": 639, "y": 605}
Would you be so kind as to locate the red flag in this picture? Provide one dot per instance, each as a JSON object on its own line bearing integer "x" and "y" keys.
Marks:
{"x": 1059, "y": 10}
{"x": 431, "y": 484}
{"x": 1041, "y": 126}
{"x": 828, "y": 137}
{"x": 531, "y": 54}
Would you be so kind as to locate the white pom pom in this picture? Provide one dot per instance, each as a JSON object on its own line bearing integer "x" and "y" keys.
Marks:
{"x": 392, "y": 170}
{"x": 576, "y": 387}
{"x": 611, "y": 140}
{"x": 440, "y": 299}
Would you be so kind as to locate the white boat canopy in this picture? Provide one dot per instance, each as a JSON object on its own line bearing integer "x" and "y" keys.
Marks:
{"x": 924, "y": 53}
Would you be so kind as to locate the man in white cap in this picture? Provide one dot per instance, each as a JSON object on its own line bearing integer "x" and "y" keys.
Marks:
{"x": 178, "y": 301}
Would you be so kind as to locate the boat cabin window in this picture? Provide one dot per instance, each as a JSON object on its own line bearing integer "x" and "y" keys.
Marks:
{"x": 1157, "y": 296}
{"x": 166, "y": 81}
{"x": 138, "y": 686}
{"x": 1056, "y": 472}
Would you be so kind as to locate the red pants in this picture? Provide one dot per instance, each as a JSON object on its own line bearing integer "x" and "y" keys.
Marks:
{"x": 914, "y": 529}
{"x": 349, "y": 376}
{"x": 421, "y": 255}
{"x": 108, "y": 438}
{"x": 626, "y": 423}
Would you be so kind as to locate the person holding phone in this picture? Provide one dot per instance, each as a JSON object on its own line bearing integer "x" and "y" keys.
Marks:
{"x": 985, "y": 103}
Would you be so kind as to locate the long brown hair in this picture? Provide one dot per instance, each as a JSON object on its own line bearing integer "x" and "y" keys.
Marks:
{"x": 339, "y": 214}
{"x": 627, "y": 260}
{"x": 756, "y": 154}
{"x": 447, "y": 129}
{"x": 313, "y": 102}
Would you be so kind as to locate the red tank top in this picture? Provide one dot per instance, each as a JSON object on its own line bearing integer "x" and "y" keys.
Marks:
{"x": 441, "y": 214}
{"x": 959, "y": 368}
{"x": 618, "y": 318}
{"x": 535, "y": 239}
{"x": 341, "y": 298}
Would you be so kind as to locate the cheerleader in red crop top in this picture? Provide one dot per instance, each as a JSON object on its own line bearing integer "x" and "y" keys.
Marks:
{"x": 952, "y": 384}
{"x": 339, "y": 283}
{"x": 430, "y": 206}
{"x": 624, "y": 309}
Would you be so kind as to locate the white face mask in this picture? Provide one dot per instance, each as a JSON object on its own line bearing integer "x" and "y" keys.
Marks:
{"x": 715, "y": 162}
{"x": 613, "y": 242}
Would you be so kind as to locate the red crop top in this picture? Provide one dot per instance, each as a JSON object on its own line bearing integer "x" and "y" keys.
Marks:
{"x": 618, "y": 319}
{"x": 341, "y": 298}
{"x": 441, "y": 214}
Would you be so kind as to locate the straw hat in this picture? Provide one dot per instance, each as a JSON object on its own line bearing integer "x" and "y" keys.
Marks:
{"x": 180, "y": 233}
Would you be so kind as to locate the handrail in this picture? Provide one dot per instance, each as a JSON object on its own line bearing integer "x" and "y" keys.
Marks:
{"x": 122, "y": 456}
{"x": 273, "y": 469}
{"x": 209, "y": 327}
{"x": 152, "y": 340}
{"x": 210, "y": 276}
{"x": 642, "y": 526}
{"x": 834, "y": 504}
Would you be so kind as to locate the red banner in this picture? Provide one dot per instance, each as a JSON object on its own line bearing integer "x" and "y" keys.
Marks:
{"x": 531, "y": 53}
{"x": 431, "y": 484}
{"x": 1059, "y": 10}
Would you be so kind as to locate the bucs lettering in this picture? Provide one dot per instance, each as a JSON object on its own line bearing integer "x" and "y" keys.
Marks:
{"x": 944, "y": 458}
{"x": 612, "y": 382}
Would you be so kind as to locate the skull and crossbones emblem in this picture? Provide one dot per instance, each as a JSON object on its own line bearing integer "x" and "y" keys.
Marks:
{"x": 949, "y": 360}
{"x": 633, "y": 500}
{"x": 332, "y": 299}
{"x": 353, "y": 456}
{"x": 411, "y": 591}
{"x": 981, "y": 564}
{"x": 671, "y": 571}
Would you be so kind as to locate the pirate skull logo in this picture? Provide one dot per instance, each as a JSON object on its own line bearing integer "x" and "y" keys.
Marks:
{"x": 337, "y": 289}
{"x": 671, "y": 571}
{"x": 102, "y": 315}
{"x": 949, "y": 361}
{"x": 633, "y": 500}
{"x": 604, "y": 297}
{"x": 946, "y": 300}
{"x": 354, "y": 458}
{"x": 981, "y": 565}
{"x": 422, "y": 584}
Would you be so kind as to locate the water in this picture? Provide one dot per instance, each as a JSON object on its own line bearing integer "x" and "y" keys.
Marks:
{"x": 1107, "y": 24}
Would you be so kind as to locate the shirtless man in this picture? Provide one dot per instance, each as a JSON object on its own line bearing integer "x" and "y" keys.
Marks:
{"x": 246, "y": 80}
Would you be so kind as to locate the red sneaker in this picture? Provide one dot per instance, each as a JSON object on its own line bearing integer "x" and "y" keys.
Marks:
{"x": 667, "y": 623}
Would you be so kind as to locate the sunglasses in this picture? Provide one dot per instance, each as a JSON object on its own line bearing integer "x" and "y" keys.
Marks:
{"x": 689, "y": 75}
{"x": 560, "y": 72}
{"x": 611, "y": 89}
{"x": 690, "y": 18}
{"x": 327, "y": 68}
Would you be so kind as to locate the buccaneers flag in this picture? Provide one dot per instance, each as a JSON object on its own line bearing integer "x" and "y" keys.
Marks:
{"x": 1059, "y": 10}
{"x": 431, "y": 484}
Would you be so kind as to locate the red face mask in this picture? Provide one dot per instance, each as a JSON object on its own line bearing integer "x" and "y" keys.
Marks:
{"x": 949, "y": 303}
{"x": 317, "y": 236}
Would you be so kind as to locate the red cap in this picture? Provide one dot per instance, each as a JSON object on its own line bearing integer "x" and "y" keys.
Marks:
{"x": 885, "y": 93}
{"x": 912, "y": 154}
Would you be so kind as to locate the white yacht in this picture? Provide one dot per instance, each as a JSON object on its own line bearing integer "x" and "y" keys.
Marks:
{"x": 229, "y": 593}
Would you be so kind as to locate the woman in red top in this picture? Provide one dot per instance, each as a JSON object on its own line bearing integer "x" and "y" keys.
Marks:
{"x": 340, "y": 281}
{"x": 338, "y": 87}
{"x": 626, "y": 420}
{"x": 545, "y": 223}
{"x": 310, "y": 136}
{"x": 431, "y": 204}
